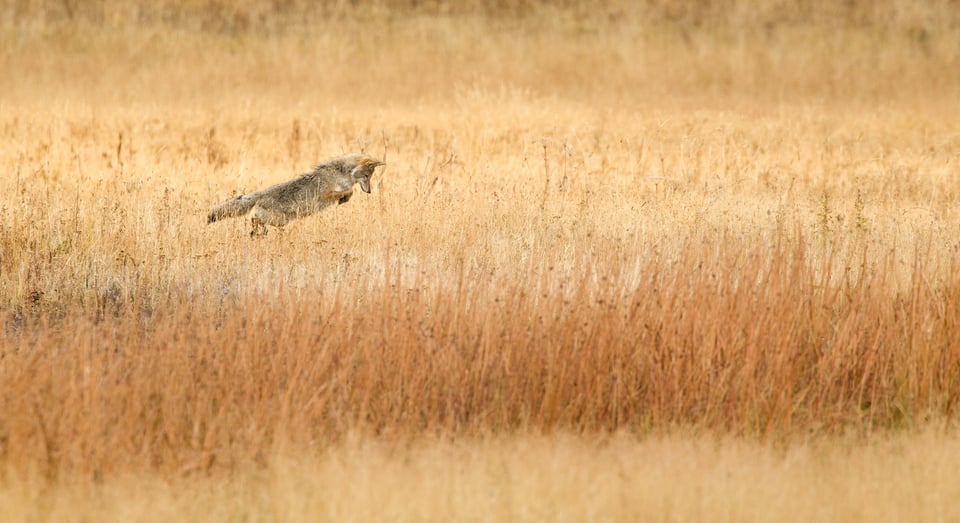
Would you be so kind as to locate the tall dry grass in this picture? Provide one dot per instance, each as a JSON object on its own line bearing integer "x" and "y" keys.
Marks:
{"x": 691, "y": 217}
{"x": 726, "y": 337}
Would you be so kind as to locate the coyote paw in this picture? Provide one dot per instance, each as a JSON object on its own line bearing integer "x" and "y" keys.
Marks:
{"x": 259, "y": 228}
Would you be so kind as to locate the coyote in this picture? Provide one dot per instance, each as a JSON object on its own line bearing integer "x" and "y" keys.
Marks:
{"x": 328, "y": 182}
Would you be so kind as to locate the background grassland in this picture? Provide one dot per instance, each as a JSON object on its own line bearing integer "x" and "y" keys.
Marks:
{"x": 650, "y": 220}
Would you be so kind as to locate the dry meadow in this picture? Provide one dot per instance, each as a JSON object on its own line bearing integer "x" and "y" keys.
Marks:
{"x": 663, "y": 261}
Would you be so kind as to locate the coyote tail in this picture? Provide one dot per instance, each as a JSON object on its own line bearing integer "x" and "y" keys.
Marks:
{"x": 233, "y": 207}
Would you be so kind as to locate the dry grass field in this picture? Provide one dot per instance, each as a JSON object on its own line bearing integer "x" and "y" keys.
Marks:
{"x": 665, "y": 261}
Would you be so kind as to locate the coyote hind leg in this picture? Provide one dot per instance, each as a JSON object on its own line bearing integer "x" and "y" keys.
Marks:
{"x": 259, "y": 228}
{"x": 263, "y": 217}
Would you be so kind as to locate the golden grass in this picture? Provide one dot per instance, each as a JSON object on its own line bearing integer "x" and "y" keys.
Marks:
{"x": 640, "y": 222}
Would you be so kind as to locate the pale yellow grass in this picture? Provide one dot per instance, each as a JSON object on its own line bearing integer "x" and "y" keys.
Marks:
{"x": 535, "y": 478}
{"x": 470, "y": 186}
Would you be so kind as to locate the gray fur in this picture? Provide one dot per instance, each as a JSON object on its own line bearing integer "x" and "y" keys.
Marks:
{"x": 328, "y": 183}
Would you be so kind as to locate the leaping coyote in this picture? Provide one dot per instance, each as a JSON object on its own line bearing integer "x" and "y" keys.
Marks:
{"x": 328, "y": 183}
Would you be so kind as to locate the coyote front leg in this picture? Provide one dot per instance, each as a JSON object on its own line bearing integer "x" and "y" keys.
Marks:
{"x": 343, "y": 196}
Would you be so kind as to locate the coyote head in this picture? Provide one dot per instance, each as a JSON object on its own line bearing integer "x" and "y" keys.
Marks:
{"x": 363, "y": 170}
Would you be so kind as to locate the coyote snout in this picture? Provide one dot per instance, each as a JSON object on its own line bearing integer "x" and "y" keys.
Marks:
{"x": 328, "y": 183}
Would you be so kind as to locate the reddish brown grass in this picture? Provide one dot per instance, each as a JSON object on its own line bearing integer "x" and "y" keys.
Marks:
{"x": 729, "y": 336}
